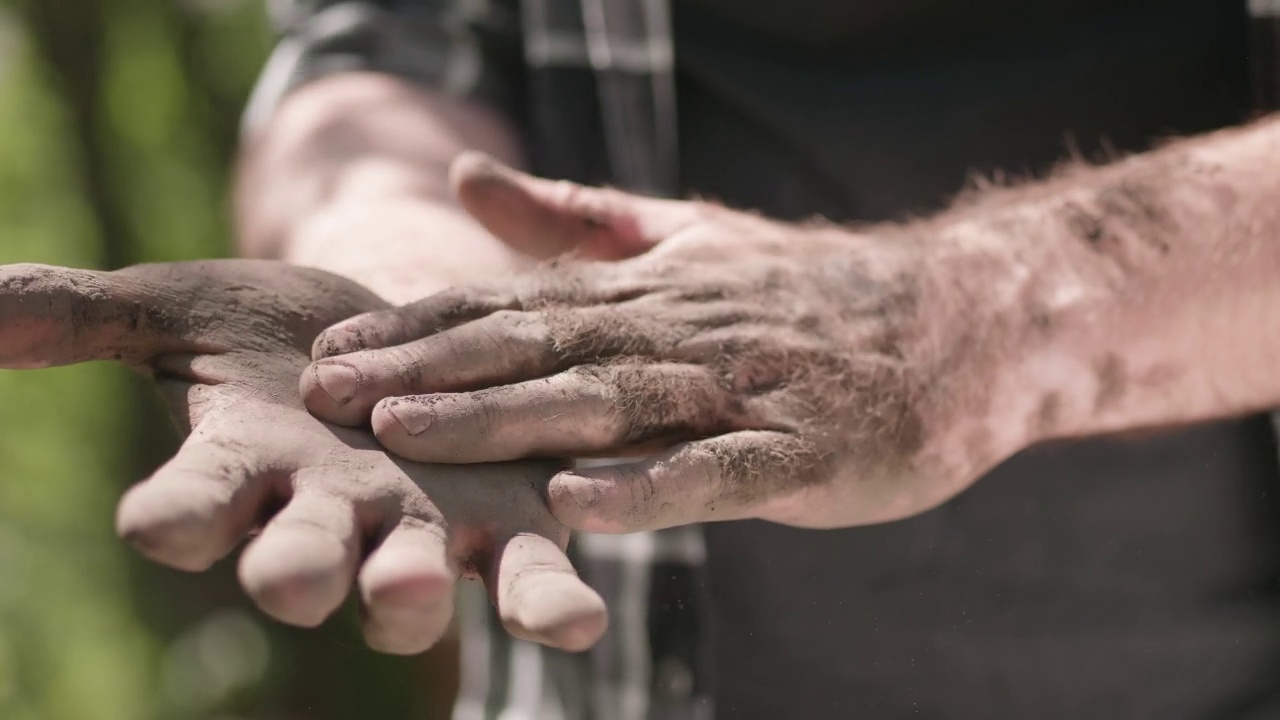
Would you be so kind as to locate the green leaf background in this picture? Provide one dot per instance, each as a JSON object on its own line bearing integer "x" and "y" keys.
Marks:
{"x": 118, "y": 123}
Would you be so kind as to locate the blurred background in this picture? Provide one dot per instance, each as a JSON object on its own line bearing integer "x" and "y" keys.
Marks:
{"x": 118, "y": 124}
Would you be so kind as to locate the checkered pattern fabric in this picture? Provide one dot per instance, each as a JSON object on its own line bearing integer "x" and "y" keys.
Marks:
{"x": 591, "y": 82}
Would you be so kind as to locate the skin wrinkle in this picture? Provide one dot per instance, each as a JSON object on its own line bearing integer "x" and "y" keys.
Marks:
{"x": 410, "y": 373}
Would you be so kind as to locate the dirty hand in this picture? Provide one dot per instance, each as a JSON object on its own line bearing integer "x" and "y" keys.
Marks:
{"x": 226, "y": 342}
{"x": 804, "y": 374}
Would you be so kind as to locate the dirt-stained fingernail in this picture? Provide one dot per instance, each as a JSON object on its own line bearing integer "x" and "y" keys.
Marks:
{"x": 585, "y": 491}
{"x": 413, "y": 422}
{"x": 338, "y": 381}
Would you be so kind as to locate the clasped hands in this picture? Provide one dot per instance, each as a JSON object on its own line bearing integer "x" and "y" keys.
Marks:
{"x": 754, "y": 370}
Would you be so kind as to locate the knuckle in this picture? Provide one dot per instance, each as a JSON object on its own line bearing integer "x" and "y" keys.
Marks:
{"x": 712, "y": 292}
{"x": 559, "y": 286}
{"x": 508, "y": 318}
{"x": 462, "y": 303}
{"x": 702, "y": 466}
{"x": 610, "y": 395}
{"x": 641, "y": 489}
{"x": 405, "y": 363}
{"x": 387, "y": 327}
{"x": 513, "y": 327}
{"x": 594, "y": 378}
{"x": 426, "y": 528}
{"x": 487, "y": 416}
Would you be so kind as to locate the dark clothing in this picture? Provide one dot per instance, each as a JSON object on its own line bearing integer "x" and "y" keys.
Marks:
{"x": 1105, "y": 578}
{"x": 873, "y": 139}
{"x": 1110, "y": 578}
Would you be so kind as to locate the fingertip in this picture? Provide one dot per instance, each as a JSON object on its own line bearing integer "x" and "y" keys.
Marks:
{"x": 390, "y": 431}
{"x": 348, "y": 390}
{"x": 583, "y": 621}
{"x": 409, "y": 602}
{"x": 183, "y": 527}
{"x": 394, "y": 419}
{"x": 406, "y": 587}
{"x": 298, "y": 577}
{"x": 391, "y": 640}
{"x": 559, "y": 610}
{"x": 410, "y": 628}
{"x": 340, "y": 339}
{"x": 330, "y": 390}
{"x": 540, "y": 597}
{"x": 366, "y": 331}
{"x": 586, "y": 502}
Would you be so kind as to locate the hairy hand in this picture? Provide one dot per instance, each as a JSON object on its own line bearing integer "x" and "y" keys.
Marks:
{"x": 791, "y": 373}
{"x": 226, "y": 342}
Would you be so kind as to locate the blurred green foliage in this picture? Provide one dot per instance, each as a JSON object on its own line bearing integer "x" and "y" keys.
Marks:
{"x": 118, "y": 122}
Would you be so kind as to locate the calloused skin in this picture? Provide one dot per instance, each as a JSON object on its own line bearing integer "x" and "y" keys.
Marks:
{"x": 226, "y": 342}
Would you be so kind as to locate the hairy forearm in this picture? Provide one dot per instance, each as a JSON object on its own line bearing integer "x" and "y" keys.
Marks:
{"x": 1143, "y": 293}
{"x": 351, "y": 176}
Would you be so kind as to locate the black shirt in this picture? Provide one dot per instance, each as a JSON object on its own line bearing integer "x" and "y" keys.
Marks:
{"x": 1106, "y": 578}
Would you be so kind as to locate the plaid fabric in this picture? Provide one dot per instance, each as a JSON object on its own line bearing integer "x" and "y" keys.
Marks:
{"x": 591, "y": 82}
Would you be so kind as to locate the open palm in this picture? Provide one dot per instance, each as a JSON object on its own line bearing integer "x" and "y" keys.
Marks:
{"x": 226, "y": 342}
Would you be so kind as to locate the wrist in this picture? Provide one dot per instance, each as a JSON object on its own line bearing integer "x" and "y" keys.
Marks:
{"x": 999, "y": 336}
{"x": 1083, "y": 331}
{"x": 401, "y": 246}
{"x": 349, "y": 137}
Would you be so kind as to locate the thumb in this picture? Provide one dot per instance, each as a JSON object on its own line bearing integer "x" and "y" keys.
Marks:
{"x": 59, "y": 316}
{"x": 546, "y": 218}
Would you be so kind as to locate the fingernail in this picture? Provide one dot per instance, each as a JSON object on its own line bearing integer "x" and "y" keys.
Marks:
{"x": 414, "y": 423}
{"x": 585, "y": 491}
{"x": 338, "y": 381}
